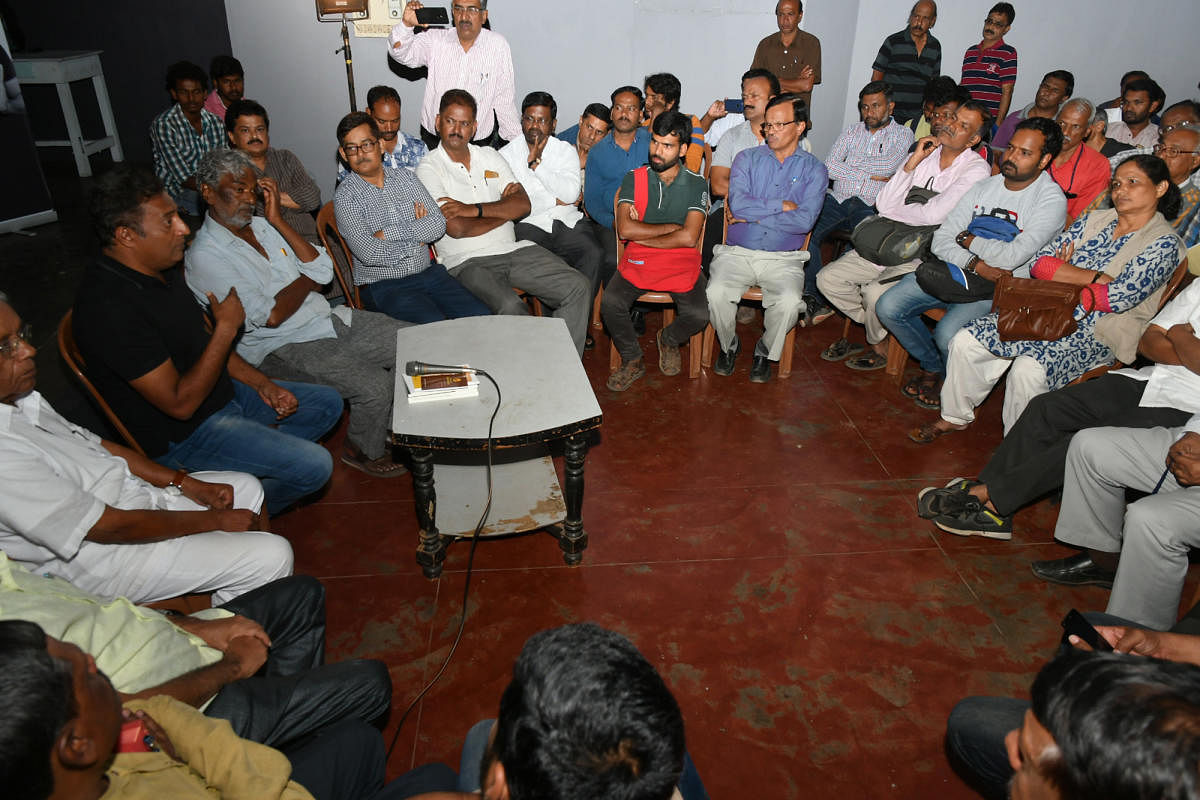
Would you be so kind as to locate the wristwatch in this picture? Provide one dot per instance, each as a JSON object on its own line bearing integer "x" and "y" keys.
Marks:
{"x": 175, "y": 487}
{"x": 479, "y": 210}
{"x": 961, "y": 239}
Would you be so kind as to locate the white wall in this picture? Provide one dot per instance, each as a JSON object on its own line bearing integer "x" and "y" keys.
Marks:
{"x": 1096, "y": 40}
{"x": 580, "y": 50}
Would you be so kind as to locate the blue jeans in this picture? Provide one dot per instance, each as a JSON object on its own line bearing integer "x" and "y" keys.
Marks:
{"x": 834, "y": 216}
{"x": 476, "y": 744}
{"x": 429, "y": 296}
{"x": 245, "y": 436}
{"x": 900, "y": 309}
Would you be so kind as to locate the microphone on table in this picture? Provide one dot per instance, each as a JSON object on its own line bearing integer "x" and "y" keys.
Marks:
{"x": 423, "y": 368}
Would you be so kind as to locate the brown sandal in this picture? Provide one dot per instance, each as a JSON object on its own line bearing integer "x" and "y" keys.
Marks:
{"x": 924, "y": 389}
{"x": 382, "y": 467}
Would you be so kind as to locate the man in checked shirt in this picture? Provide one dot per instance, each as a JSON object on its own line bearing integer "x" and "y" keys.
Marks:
{"x": 862, "y": 160}
{"x": 388, "y": 218}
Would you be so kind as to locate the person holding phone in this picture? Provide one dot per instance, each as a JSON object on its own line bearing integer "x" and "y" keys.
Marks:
{"x": 468, "y": 57}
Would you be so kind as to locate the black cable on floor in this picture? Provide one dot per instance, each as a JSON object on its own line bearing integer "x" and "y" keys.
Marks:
{"x": 462, "y": 621}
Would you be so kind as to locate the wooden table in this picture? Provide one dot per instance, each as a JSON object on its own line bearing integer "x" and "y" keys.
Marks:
{"x": 546, "y": 397}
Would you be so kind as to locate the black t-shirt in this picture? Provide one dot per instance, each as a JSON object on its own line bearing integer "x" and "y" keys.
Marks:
{"x": 127, "y": 324}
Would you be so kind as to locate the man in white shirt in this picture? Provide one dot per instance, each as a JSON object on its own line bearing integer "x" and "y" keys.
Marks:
{"x": 468, "y": 57}
{"x": 481, "y": 198}
{"x": 548, "y": 169}
{"x": 945, "y": 162}
{"x": 110, "y": 520}
{"x": 1140, "y": 100}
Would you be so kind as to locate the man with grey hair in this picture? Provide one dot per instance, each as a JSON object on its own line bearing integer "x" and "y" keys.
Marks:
{"x": 290, "y": 330}
{"x": 1080, "y": 171}
{"x": 1097, "y": 138}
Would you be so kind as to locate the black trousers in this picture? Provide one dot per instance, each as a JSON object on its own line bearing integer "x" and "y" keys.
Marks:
{"x": 691, "y": 315}
{"x": 1031, "y": 460}
{"x": 577, "y": 246}
{"x": 295, "y": 694}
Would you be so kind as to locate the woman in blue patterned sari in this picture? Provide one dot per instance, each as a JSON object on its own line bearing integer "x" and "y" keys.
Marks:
{"x": 1124, "y": 255}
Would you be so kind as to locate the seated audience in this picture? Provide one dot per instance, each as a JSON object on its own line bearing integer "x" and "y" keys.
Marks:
{"x": 396, "y": 148}
{"x": 989, "y": 69}
{"x": 909, "y": 59}
{"x": 946, "y": 163}
{"x": 940, "y": 92}
{"x": 1140, "y": 99}
{"x": 480, "y": 199}
{"x": 66, "y": 739}
{"x": 1179, "y": 148}
{"x": 1184, "y": 114}
{"x": 468, "y": 56}
{"x": 1030, "y": 461}
{"x": 1023, "y": 195}
{"x": 1056, "y": 87}
{"x": 862, "y": 160}
{"x": 110, "y": 520}
{"x": 1076, "y": 739}
{"x": 291, "y": 332}
{"x": 791, "y": 55}
{"x": 1097, "y": 137}
{"x": 775, "y": 194}
{"x": 548, "y": 170}
{"x": 257, "y": 661}
{"x": 585, "y": 715}
{"x": 662, "y": 94}
{"x": 593, "y": 125}
{"x": 1124, "y": 256}
{"x": 249, "y": 130}
{"x": 1131, "y": 75}
{"x": 1081, "y": 172}
{"x": 660, "y": 216}
{"x": 229, "y": 84}
{"x": 626, "y": 147}
{"x": 183, "y": 133}
{"x": 188, "y": 399}
{"x": 389, "y": 219}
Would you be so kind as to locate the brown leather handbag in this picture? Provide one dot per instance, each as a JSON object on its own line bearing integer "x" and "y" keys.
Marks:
{"x": 1030, "y": 309}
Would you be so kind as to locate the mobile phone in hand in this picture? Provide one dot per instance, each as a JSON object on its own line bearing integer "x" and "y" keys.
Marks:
{"x": 735, "y": 106}
{"x": 432, "y": 16}
{"x": 1074, "y": 624}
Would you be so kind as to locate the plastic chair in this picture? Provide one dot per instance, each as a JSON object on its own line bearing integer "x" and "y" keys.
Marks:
{"x": 74, "y": 361}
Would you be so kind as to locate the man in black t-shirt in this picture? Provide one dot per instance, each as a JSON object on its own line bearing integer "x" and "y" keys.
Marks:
{"x": 187, "y": 398}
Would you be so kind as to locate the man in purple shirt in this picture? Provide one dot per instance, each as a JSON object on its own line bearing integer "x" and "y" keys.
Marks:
{"x": 775, "y": 194}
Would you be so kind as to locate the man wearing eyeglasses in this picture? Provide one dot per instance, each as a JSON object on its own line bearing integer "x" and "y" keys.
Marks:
{"x": 470, "y": 58}
{"x": 775, "y": 195}
{"x": 396, "y": 148}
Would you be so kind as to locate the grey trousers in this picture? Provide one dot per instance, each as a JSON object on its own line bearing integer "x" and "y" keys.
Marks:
{"x": 1152, "y": 534}
{"x": 853, "y": 285}
{"x": 780, "y": 275}
{"x": 358, "y": 362}
{"x": 535, "y": 270}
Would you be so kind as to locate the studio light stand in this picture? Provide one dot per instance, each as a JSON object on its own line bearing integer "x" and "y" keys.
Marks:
{"x": 331, "y": 11}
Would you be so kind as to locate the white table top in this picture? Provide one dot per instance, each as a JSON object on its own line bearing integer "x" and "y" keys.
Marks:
{"x": 546, "y": 393}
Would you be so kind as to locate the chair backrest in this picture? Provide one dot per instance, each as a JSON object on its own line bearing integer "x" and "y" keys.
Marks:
{"x": 343, "y": 261}
{"x": 707, "y": 161}
{"x": 74, "y": 361}
{"x": 1180, "y": 278}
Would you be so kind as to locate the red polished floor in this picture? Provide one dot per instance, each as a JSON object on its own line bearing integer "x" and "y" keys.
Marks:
{"x": 759, "y": 544}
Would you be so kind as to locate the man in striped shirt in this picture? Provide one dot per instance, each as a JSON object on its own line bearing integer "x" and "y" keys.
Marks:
{"x": 183, "y": 133}
{"x": 989, "y": 68}
{"x": 909, "y": 59}
{"x": 470, "y": 58}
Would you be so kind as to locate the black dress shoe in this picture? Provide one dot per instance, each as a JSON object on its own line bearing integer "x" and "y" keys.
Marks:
{"x": 760, "y": 370}
{"x": 1076, "y": 570}
{"x": 725, "y": 359}
{"x": 638, "y": 318}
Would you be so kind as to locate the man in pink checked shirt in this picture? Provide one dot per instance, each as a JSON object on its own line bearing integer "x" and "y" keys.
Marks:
{"x": 469, "y": 50}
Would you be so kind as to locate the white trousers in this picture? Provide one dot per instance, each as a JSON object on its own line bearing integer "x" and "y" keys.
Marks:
{"x": 854, "y": 286}
{"x": 971, "y": 372}
{"x": 779, "y": 275}
{"x": 1153, "y": 534}
{"x": 226, "y": 564}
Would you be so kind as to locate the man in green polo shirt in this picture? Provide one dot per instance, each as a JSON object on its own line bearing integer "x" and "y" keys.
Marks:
{"x": 660, "y": 218}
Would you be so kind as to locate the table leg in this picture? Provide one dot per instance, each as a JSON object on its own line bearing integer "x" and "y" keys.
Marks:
{"x": 572, "y": 538}
{"x": 431, "y": 548}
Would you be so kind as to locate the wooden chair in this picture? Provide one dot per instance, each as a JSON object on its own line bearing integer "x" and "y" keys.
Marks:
{"x": 74, "y": 361}
{"x": 695, "y": 344}
{"x": 343, "y": 262}
{"x": 754, "y": 293}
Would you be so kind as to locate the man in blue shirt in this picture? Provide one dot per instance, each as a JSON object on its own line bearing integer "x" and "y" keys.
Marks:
{"x": 626, "y": 147}
{"x": 775, "y": 195}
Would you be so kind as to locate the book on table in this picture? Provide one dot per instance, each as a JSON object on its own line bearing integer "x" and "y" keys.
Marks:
{"x": 441, "y": 386}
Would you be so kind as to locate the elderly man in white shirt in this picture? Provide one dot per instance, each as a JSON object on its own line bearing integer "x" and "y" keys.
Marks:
{"x": 945, "y": 162}
{"x": 468, "y": 57}
{"x": 480, "y": 198}
{"x": 290, "y": 327}
{"x": 110, "y": 520}
{"x": 548, "y": 169}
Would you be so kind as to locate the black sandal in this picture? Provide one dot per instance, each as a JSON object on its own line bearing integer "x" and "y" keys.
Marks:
{"x": 925, "y": 390}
